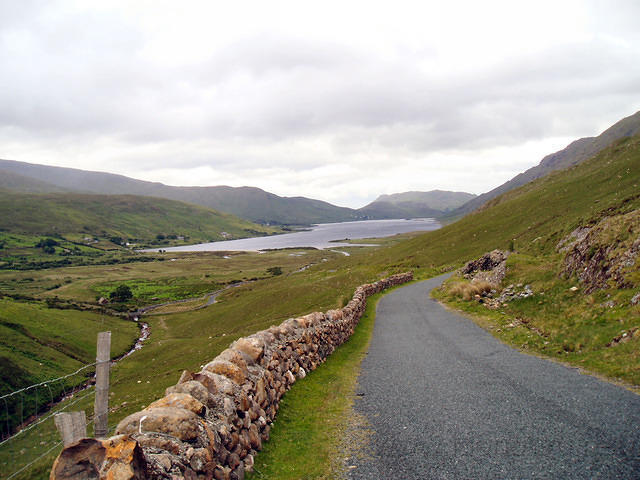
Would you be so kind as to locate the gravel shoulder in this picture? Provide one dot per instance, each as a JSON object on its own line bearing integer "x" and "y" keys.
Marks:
{"x": 444, "y": 399}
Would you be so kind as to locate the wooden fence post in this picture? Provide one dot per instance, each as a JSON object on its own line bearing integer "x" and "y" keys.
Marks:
{"x": 72, "y": 426}
{"x": 101, "y": 406}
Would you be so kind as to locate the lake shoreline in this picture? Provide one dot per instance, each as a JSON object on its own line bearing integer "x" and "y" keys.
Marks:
{"x": 321, "y": 236}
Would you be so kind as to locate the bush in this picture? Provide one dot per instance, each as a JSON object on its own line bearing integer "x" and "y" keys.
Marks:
{"x": 116, "y": 240}
{"x": 46, "y": 242}
{"x": 122, "y": 293}
{"x": 274, "y": 271}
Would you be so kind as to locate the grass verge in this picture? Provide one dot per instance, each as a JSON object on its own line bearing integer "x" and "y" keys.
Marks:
{"x": 313, "y": 415}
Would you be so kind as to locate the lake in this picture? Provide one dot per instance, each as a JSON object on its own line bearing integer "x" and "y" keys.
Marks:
{"x": 319, "y": 236}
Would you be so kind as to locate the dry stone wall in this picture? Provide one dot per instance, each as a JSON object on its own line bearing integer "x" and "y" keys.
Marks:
{"x": 212, "y": 422}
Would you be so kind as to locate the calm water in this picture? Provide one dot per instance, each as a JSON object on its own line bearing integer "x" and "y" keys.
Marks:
{"x": 320, "y": 236}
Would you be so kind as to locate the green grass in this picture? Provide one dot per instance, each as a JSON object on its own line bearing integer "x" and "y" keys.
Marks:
{"x": 168, "y": 289}
{"x": 312, "y": 419}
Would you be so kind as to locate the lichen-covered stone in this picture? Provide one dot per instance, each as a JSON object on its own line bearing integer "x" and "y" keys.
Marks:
{"x": 253, "y": 347}
{"x": 194, "y": 388}
{"x": 227, "y": 369}
{"x": 179, "y": 400}
{"x": 177, "y": 422}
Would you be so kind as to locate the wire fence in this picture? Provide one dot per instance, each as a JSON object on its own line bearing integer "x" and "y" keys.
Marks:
{"x": 29, "y": 439}
{"x": 23, "y": 407}
{"x": 27, "y": 422}
{"x": 53, "y": 445}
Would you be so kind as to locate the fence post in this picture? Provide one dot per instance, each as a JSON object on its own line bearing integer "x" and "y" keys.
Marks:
{"x": 72, "y": 426}
{"x": 101, "y": 406}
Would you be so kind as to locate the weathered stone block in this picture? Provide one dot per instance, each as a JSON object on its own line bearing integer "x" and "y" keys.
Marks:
{"x": 179, "y": 400}
{"x": 227, "y": 369}
{"x": 194, "y": 388}
{"x": 117, "y": 458}
{"x": 177, "y": 422}
{"x": 253, "y": 347}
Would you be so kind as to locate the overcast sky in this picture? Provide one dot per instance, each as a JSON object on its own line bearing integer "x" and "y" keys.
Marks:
{"x": 339, "y": 101}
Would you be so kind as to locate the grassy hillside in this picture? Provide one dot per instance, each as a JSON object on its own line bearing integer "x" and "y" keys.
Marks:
{"x": 126, "y": 216}
{"x": 415, "y": 204}
{"x": 576, "y": 152}
{"x": 538, "y": 215}
{"x": 50, "y": 230}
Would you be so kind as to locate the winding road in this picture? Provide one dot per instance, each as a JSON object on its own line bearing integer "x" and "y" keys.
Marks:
{"x": 446, "y": 400}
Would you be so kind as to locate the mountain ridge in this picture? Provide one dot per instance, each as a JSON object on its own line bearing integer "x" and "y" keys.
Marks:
{"x": 576, "y": 152}
{"x": 412, "y": 204}
{"x": 250, "y": 203}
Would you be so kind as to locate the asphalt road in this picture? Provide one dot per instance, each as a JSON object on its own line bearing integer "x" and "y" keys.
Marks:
{"x": 446, "y": 400}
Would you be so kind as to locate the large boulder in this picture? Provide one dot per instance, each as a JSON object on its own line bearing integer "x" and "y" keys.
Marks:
{"x": 116, "y": 458}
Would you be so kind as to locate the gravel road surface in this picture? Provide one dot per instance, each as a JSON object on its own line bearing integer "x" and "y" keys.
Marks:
{"x": 446, "y": 400}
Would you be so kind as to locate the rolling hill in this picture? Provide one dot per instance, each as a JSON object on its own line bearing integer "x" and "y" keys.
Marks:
{"x": 576, "y": 152}
{"x": 415, "y": 204}
{"x": 124, "y": 216}
{"x": 14, "y": 182}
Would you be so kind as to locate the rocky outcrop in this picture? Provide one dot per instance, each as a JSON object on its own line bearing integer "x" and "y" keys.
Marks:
{"x": 605, "y": 254}
{"x": 211, "y": 424}
{"x": 490, "y": 268}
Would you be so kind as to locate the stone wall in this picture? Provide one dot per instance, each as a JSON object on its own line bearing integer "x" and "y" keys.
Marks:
{"x": 211, "y": 423}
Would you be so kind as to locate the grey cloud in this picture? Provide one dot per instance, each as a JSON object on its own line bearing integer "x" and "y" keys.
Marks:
{"x": 77, "y": 75}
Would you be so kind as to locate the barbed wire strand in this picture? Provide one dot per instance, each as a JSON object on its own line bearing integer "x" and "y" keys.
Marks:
{"x": 44, "y": 419}
{"x": 22, "y": 469}
{"x": 53, "y": 380}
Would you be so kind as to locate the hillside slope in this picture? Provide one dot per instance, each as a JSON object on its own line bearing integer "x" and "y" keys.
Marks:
{"x": 574, "y": 153}
{"x": 250, "y": 203}
{"x": 14, "y": 182}
{"x": 415, "y": 204}
{"x": 538, "y": 215}
{"x": 125, "y": 216}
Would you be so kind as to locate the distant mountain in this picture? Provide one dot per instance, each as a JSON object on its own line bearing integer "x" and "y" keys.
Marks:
{"x": 415, "y": 204}
{"x": 19, "y": 183}
{"x": 250, "y": 203}
{"x": 575, "y": 153}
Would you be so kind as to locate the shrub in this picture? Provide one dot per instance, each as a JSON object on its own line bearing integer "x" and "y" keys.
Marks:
{"x": 46, "y": 242}
{"x": 122, "y": 293}
{"x": 274, "y": 271}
